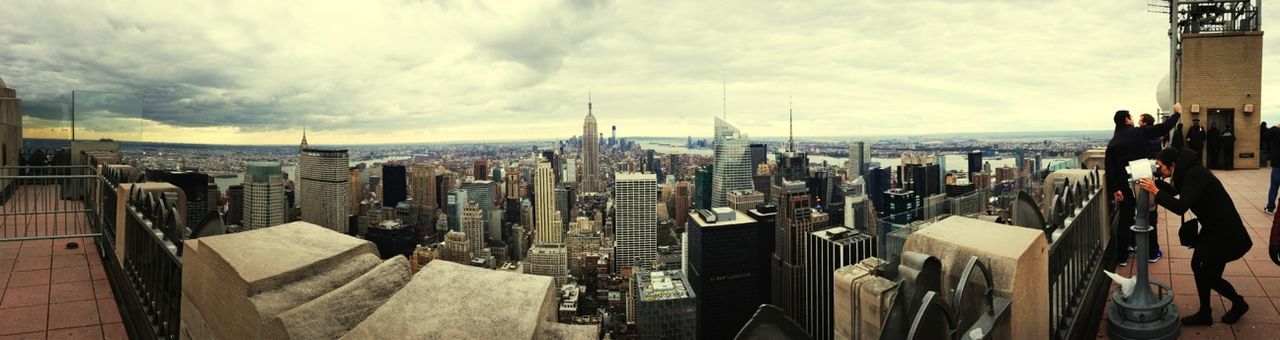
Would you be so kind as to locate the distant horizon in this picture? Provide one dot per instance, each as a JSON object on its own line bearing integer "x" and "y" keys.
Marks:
{"x": 829, "y": 139}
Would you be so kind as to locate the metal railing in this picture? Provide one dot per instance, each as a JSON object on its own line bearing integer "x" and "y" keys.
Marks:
{"x": 1076, "y": 257}
{"x": 153, "y": 261}
{"x": 50, "y": 202}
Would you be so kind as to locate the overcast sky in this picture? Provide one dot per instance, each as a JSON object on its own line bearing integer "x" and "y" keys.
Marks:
{"x": 257, "y": 72}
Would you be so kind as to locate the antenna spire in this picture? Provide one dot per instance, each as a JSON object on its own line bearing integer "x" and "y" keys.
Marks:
{"x": 791, "y": 129}
{"x": 588, "y": 103}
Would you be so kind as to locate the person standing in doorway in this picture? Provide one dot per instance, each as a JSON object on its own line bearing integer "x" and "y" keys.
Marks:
{"x": 1214, "y": 139}
{"x": 1195, "y": 137}
{"x": 1228, "y": 154}
{"x": 1177, "y": 142}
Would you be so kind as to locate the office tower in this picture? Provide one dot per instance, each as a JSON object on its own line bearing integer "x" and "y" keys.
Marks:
{"x": 858, "y": 213}
{"x": 544, "y": 198}
{"x": 195, "y": 186}
{"x": 980, "y": 180}
{"x": 732, "y": 169}
{"x": 759, "y": 155}
{"x": 590, "y": 154}
{"x": 858, "y": 155}
{"x": 761, "y": 180}
{"x": 613, "y": 138}
{"x": 648, "y": 162}
{"x": 473, "y": 225}
{"x": 235, "y": 205}
{"x": 683, "y": 202}
{"x": 562, "y": 206}
{"x": 324, "y": 189}
{"x": 664, "y": 306}
{"x": 264, "y": 201}
{"x": 635, "y": 220}
{"x": 481, "y": 192}
{"x": 877, "y": 180}
{"x": 975, "y": 161}
{"x": 702, "y": 187}
{"x": 1006, "y": 174}
{"x": 821, "y": 188}
{"x": 829, "y": 250}
{"x": 675, "y": 167}
{"x": 766, "y": 225}
{"x": 548, "y": 259}
{"x": 794, "y": 222}
{"x": 480, "y": 170}
{"x": 941, "y": 161}
{"x": 394, "y": 185}
{"x": 723, "y": 248}
{"x": 456, "y": 248}
{"x": 743, "y": 200}
{"x": 921, "y": 178}
{"x": 902, "y": 206}
{"x": 444, "y": 184}
{"x": 422, "y": 182}
{"x": 570, "y": 170}
{"x": 353, "y": 184}
{"x": 456, "y": 202}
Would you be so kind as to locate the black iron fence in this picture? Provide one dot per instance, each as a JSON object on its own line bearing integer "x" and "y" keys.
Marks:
{"x": 1076, "y": 255}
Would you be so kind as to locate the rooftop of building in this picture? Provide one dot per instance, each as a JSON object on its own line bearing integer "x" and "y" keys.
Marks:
{"x": 662, "y": 285}
{"x": 840, "y": 234}
{"x": 635, "y": 176}
{"x": 739, "y": 218}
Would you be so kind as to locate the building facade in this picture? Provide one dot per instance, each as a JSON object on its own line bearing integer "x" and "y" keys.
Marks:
{"x": 547, "y": 226}
{"x": 323, "y": 187}
{"x": 590, "y": 154}
{"x": 732, "y": 169}
{"x": 722, "y": 269}
{"x": 264, "y": 201}
{"x": 664, "y": 306}
{"x": 830, "y": 249}
{"x": 635, "y": 219}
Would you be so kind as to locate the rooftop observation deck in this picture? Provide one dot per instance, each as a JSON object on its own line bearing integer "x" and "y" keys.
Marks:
{"x": 1255, "y": 277}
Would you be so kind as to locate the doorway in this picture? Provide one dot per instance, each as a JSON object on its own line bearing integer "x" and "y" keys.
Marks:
{"x": 1219, "y": 153}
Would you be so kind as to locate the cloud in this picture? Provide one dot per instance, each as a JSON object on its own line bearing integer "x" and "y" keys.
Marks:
{"x": 407, "y": 71}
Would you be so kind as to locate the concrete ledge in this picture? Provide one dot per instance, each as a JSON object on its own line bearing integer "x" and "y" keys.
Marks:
{"x": 333, "y": 314}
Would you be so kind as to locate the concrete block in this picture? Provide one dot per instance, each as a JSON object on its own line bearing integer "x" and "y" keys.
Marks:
{"x": 333, "y": 314}
{"x": 1018, "y": 259}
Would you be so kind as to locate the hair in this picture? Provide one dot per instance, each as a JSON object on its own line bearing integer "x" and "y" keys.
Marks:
{"x": 1169, "y": 156}
{"x": 1148, "y": 119}
{"x": 1120, "y": 116}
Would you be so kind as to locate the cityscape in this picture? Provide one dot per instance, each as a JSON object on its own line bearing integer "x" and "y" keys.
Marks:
{"x": 754, "y": 219}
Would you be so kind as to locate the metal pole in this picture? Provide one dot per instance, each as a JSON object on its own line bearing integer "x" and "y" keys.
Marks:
{"x": 1174, "y": 37}
{"x": 73, "y": 116}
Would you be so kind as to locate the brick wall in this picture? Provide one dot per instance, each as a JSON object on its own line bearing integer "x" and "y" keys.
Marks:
{"x": 1225, "y": 71}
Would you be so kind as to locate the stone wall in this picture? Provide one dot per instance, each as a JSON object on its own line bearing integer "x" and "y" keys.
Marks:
{"x": 10, "y": 130}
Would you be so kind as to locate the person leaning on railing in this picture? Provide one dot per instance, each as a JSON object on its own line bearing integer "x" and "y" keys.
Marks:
{"x": 1222, "y": 237}
{"x": 1129, "y": 143}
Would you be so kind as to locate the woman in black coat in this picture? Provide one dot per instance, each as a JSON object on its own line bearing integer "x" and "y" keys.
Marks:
{"x": 1222, "y": 237}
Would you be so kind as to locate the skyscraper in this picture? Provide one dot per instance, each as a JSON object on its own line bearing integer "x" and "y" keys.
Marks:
{"x": 665, "y": 307}
{"x": 683, "y": 202}
{"x": 858, "y": 154}
{"x": 473, "y": 225}
{"x": 759, "y": 155}
{"x": 324, "y": 189}
{"x": 394, "y": 185}
{"x": 793, "y": 223}
{"x": 702, "y": 187}
{"x": 264, "y": 201}
{"x": 903, "y": 206}
{"x": 732, "y": 169}
{"x": 546, "y": 229}
{"x": 353, "y": 183}
{"x": 635, "y": 220}
{"x": 829, "y": 250}
{"x": 422, "y": 182}
{"x": 235, "y": 205}
{"x": 480, "y": 170}
{"x": 590, "y": 153}
{"x": 723, "y": 249}
{"x": 975, "y": 161}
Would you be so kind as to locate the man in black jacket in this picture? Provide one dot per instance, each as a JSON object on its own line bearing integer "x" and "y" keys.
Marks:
{"x": 1127, "y": 144}
{"x": 1222, "y": 237}
{"x": 1228, "y": 154}
{"x": 1272, "y": 136}
{"x": 1195, "y": 136}
{"x": 1214, "y": 141}
{"x": 1178, "y": 142}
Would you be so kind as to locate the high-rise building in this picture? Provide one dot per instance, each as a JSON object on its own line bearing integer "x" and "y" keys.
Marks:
{"x": 975, "y": 161}
{"x": 829, "y": 250}
{"x": 473, "y": 225}
{"x": 353, "y": 184}
{"x": 743, "y": 200}
{"x": 590, "y": 153}
{"x": 702, "y": 187}
{"x": 394, "y": 185}
{"x": 456, "y": 248}
{"x": 675, "y": 166}
{"x": 325, "y": 193}
{"x": 562, "y": 206}
{"x": 759, "y": 155}
{"x": 877, "y": 180}
{"x": 635, "y": 219}
{"x": 683, "y": 202}
{"x": 723, "y": 249}
{"x": 766, "y": 225}
{"x": 422, "y": 182}
{"x": 732, "y": 169}
{"x": 858, "y": 154}
{"x": 480, "y": 170}
{"x": 548, "y": 259}
{"x": 456, "y": 202}
{"x": 235, "y": 205}
{"x": 195, "y": 186}
{"x": 481, "y": 192}
{"x": 264, "y": 201}
{"x": 858, "y": 213}
{"x": 903, "y": 206}
{"x": 761, "y": 181}
{"x": 664, "y": 306}
{"x": 571, "y": 170}
{"x": 794, "y": 222}
{"x": 546, "y": 229}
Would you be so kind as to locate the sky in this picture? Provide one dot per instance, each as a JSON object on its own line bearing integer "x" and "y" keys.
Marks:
{"x": 259, "y": 72}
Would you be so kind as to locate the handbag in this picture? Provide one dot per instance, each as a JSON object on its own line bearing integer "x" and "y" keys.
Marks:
{"x": 1189, "y": 231}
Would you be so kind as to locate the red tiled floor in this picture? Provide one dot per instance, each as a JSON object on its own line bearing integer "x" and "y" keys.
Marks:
{"x": 68, "y": 292}
{"x": 23, "y": 319}
{"x": 6, "y": 265}
{"x": 24, "y": 336}
{"x": 114, "y": 331}
{"x": 1270, "y": 285}
{"x": 25, "y": 296}
{"x": 1246, "y": 285}
{"x": 96, "y": 272}
{"x": 70, "y": 274}
{"x": 10, "y": 244}
{"x": 32, "y": 263}
{"x": 1264, "y": 268}
{"x": 29, "y": 278}
{"x": 73, "y": 314}
{"x": 1261, "y": 310}
{"x": 108, "y": 311}
{"x": 9, "y": 254}
{"x": 102, "y": 289}
{"x": 78, "y": 260}
{"x": 93, "y": 332}
{"x": 1255, "y": 331}
{"x": 34, "y": 252}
